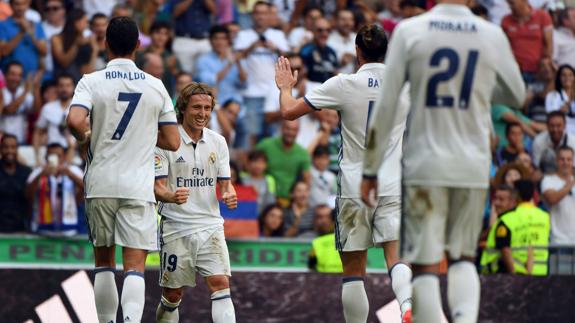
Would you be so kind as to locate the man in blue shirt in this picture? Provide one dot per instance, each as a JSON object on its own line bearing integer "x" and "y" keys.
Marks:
{"x": 193, "y": 19}
{"x": 319, "y": 59}
{"x": 22, "y": 39}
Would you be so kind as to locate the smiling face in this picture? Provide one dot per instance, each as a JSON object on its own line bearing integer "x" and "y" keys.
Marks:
{"x": 198, "y": 112}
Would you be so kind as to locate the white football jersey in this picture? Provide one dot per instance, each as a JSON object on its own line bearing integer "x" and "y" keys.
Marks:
{"x": 126, "y": 107}
{"x": 353, "y": 96}
{"x": 198, "y": 167}
{"x": 456, "y": 64}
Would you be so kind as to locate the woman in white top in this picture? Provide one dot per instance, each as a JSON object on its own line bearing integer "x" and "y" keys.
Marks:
{"x": 563, "y": 98}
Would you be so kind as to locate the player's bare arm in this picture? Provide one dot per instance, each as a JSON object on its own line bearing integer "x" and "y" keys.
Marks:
{"x": 168, "y": 137}
{"x": 163, "y": 194}
{"x": 290, "y": 107}
{"x": 78, "y": 123}
{"x": 228, "y": 193}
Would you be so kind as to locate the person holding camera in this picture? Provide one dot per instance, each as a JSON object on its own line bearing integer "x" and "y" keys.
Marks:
{"x": 261, "y": 47}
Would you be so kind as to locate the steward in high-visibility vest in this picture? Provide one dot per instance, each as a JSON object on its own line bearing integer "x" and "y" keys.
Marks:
{"x": 324, "y": 257}
{"x": 518, "y": 242}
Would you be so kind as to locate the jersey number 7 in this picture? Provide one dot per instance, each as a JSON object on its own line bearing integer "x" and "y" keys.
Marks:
{"x": 432, "y": 100}
{"x": 132, "y": 99}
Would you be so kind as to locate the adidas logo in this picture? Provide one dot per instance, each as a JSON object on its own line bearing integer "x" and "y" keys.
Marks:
{"x": 180, "y": 160}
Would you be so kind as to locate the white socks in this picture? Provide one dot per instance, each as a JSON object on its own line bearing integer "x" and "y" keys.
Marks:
{"x": 463, "y": 292}
{"x": 426, "y": 299}
{"x": 167, "y": 312}
{"x": 222, "y": 307}
{"x": 401, "y": 276}
{"x": 354, "y": 299}
{"x": 106, "y": 294}
{"x": 133, "y": 296}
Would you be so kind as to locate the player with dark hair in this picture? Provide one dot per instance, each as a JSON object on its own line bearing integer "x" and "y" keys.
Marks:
{"x": 119, "y": 114}
{"x": 357, "y": 226}
{"x": 456, "y": 64}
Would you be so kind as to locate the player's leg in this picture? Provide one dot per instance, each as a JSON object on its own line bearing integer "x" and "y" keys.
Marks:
{"x": 353, "y": 295}
{"x": 213, "y": 263}
{"x": 167, "y": 311}
{"x": 222, "y": 306}
{"x": 423, "y": 244}
{"x": 136, "y": 231}
{"x": 352, "y": 239}
{"x": 100, "y": 214}
{"x": 463, "y": 229}
{"x": 386, "y": 226}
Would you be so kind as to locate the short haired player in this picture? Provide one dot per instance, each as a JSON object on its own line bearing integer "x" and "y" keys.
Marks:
{"x": 456, "y": 64}
{"x": 191, "y": 229}
{"x": 358, "y": 227}
{"x": 119, "y": 114}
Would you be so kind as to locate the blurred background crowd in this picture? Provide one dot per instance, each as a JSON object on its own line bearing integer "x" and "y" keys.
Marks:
{"x": 288, "y": 169}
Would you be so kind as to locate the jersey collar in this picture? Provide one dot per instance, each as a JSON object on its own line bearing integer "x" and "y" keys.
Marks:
{"x": 187, "y": 140}
{"x": 369, "y": 66}
{"x": 120, "y": 61}
{"x": 449, "y": 8}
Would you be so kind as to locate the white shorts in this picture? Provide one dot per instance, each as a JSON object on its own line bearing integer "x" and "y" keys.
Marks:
{"x": 438, "y": 220}
{"x": 203, "y": 252}
{"x": 358, "y": 227}
{"x": 123, "y": 222}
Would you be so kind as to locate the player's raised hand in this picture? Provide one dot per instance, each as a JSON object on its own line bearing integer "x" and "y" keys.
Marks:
{"x": 285, "y": 80}
{"x": 230, "y": 199}
{"x": 181, "y": 195}
{"x": 369, "y": 191}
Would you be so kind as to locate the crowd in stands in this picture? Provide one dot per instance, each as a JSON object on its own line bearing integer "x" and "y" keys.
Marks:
{"x": 232, "y": 45}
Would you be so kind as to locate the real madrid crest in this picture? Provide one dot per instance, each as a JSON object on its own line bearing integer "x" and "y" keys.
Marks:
{"x": 212, "y": 158}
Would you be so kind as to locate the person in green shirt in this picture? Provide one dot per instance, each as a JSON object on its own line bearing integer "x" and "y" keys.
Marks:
{"x": 502, "y": 115}
{"x": 287, "y": 160}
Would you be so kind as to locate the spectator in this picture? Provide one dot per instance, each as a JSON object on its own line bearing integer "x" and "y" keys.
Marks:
{"x": 18, "y": 102}
{"x": 548, "y": 142}
{"x": 342, "y": 40}
{"x": 55, "y": 18}
{"x": 182, "y": 80}
{"x": 149, "y": 13}
{"x": 123, "y": 10}
{"x": 193, "y": 20}
{"x": 14, "y": 209}
{"x": 319, "y": 59}
{"x": 391, "y": 16}
{"x": 225, "y": 11}
{"x": 153, "y": 65}
{"x": 225, "y": 119}
{"x": 285, "y": 10}
{"x": 329, "y": 8}
{"x": 54, "y": 190}
{"x": 533, "y": 173}
{"x": 564, "y": 39}
{"x": 509, "y": 173}
{"x": 261, "y": 47}
{"x": 514, "y": 136}
{"x": 299, "y": 215}
{"x": 301, "y": 35}
{"x": 98, "y": 25}
{"x": 271, "y": 221}
{"x": 323, "y": 182}
{"x": 221, "y": 68}
{"x": 160, "y": 35}
{"x": 265, "y": 185}
{"x": 106, "y": 7}
{"x": 563, "y": 98}
{"x": 537, "y": 92}
{"x": 324, "y": 258}
{"x": 558, "y": 193}
{"x": 74, "y": 53}
{"x": 502, "y": 115}
{"x": 52, "y": 121}
{"x": 530, "y": 32}
{"x": 22, "y": 39}
{"x": 287, "y": 160}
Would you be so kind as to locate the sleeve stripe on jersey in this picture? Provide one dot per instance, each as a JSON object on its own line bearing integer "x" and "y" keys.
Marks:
{"x": 79, "y": 106}
{"x": 166, "y": 123}
{"x": 224, "y": 178}
{"x": 309, "y": 103}
{"x": 161, "y": 176}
